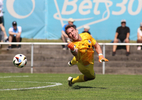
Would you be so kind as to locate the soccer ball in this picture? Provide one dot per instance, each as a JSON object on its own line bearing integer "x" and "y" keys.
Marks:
{"x": 20, "y": 60}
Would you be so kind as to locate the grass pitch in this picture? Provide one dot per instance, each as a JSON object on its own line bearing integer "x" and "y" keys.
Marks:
{"x": 24, "y": 86}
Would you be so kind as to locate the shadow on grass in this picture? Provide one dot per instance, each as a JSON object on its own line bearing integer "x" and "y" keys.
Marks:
{"x": 79, "y": 87}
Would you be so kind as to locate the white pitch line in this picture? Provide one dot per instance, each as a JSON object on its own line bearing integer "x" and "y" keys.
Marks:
{"x": 14, "y": 76}
{"x": 39, "y": 87}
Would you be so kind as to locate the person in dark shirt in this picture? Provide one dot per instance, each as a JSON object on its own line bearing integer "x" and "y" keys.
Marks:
{"x": 122, "y": 36}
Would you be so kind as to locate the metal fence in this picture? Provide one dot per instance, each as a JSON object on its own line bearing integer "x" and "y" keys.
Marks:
{"x": 52, "y": 43}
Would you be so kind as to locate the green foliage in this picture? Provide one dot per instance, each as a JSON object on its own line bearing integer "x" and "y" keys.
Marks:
{"x": 104, "y": 87}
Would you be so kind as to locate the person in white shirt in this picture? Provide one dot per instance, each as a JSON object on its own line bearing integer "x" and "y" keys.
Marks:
{"x": 139, "y": 36}
{"x": 14, "y": 31}
{"x": 1, "y": 21}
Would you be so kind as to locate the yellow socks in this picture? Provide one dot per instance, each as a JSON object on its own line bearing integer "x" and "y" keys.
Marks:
{"x": 79, "y": 78}
{"x": 73, "y": 61}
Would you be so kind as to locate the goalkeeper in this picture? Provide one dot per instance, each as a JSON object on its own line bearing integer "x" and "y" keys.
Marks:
{"x": 82, "y": 49}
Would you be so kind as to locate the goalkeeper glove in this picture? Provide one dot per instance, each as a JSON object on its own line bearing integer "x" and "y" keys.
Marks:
{"x": 101, "y": 58}
{"x": 71, "y": 46}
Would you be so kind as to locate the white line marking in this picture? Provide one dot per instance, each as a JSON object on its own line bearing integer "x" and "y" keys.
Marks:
{"x": 14, "y": 76}
{"x": 39, "y": 87}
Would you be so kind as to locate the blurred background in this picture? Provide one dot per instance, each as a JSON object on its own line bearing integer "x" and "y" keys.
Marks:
{"x": 44, "y": 19}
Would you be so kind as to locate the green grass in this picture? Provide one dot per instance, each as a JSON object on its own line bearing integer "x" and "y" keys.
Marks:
{"x": 104, "y": 87}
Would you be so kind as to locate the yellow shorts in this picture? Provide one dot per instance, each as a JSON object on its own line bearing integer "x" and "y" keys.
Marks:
{"x": 88, "y": 70}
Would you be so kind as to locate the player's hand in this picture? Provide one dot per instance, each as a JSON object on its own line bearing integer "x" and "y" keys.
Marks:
{"x": 70, "y": 45}
{"x": 102, "y": 59}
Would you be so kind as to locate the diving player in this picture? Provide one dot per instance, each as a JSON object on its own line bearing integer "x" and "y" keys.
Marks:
{"x": 82, "y": 49}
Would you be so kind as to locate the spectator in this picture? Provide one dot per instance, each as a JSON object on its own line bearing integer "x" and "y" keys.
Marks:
{"x": 122, "y": 36}
{"x": 86, "y": 29}
{"x": 139, "y": 36}
{"x": 1, "y": 21}
{"x": 15, "y": 33}
{"x": 64, "y": 36}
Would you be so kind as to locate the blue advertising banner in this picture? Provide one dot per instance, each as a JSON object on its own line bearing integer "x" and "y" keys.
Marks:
{"x": 44, "y": 19}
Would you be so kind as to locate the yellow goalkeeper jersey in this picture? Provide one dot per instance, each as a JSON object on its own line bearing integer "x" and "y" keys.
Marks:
{"x": 85, "y": 49}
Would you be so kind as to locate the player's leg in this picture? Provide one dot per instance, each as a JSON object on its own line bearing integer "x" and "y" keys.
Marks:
{"x": 72, "y": 62}
{"x": 72, "y": 80}
{"x": 88, "y": 74}
{"x": 87, "y": 71}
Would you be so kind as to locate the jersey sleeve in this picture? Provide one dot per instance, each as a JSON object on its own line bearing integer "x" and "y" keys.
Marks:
{"x": 19, "y": 29}
{"x": 128, "y": 31}
{"x": 10, "y": 29}
{"x": 117, "y": 30}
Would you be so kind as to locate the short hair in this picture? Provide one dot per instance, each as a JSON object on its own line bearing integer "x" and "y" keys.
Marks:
{"x": 14, "y": 23}
{"x": 69, "y": 26}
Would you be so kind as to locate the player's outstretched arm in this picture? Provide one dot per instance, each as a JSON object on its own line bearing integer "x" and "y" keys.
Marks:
{"x": 99, "y": 51}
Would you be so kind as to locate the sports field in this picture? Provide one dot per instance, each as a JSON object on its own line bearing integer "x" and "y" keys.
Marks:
{"x": 25, "y": 86}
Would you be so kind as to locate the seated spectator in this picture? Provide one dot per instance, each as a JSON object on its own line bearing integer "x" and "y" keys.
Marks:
{"x": 1, "y": 21}
{"x": 86, "y": 29}
{"x": 122, "y": 36}
{"x": 64, "y": 36}
{"x": 15, "y": 33}
{"x": 139, "y": 36}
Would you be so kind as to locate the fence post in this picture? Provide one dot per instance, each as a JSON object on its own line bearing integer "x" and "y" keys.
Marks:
{"x": 103, "y": 65}
{"x": 32, "y": 54}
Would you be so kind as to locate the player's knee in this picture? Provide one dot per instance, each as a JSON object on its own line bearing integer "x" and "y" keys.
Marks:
{"x": 93, "y": 78}
{"x": 89, "y": 78}
{"x": 94, "y": 75}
